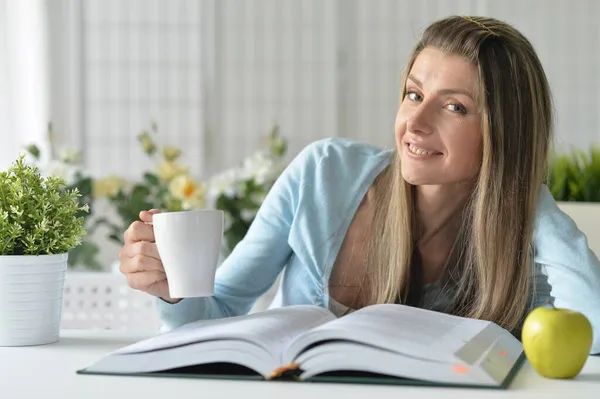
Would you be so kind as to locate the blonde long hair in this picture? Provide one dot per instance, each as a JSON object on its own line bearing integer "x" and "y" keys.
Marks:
{"x": 491, "y": 261}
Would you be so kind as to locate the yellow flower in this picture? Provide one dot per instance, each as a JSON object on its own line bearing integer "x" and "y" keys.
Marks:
{"x": 188, "y": 191}
{"x": 108, "y": 186}
{"x": 167, "y": 171}
{"x": 171, "y": 153}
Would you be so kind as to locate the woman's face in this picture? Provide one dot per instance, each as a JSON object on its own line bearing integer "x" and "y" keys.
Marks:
{"x": 438, "y": 127}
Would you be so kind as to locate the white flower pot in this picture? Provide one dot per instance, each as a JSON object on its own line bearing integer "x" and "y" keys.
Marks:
{"x": 31, "y": 289}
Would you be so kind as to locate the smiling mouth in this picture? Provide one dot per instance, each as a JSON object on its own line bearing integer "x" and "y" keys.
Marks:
{"x": 413, "y": 149}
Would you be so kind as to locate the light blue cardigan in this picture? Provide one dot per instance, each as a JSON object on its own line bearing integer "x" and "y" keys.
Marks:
{"x": 301, "y": 224}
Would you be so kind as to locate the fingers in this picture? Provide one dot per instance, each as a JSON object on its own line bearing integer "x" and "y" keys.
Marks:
{"x": 139, "y": 231}
{"x": 145, "y": 281}
{"x": 144, "y": 248}
{"x": 146, "y": 216}
{"x": 140, "y": 263}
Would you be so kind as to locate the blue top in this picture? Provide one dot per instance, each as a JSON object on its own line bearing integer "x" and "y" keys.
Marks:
{"x": 300, "y": 227}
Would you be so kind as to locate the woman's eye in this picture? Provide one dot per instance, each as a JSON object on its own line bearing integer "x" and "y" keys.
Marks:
{"x": 457, "y": 108}
{"x": 414, "y": 96}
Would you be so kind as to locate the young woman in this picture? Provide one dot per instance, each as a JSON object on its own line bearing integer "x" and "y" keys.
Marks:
{"x": 456, "y": 218}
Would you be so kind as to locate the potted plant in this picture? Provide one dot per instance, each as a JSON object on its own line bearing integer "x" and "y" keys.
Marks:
{"x": 67, "y": 163}
{"x": 574, "y": 181}
{"x": 39, "y": 225}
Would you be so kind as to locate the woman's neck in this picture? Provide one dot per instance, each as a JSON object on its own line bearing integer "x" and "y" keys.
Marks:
{"x": 439, "y": 214}
{"x": 438, "y": 210}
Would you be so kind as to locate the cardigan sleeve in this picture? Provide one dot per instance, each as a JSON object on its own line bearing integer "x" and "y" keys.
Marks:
{"x": 571, "y": 267}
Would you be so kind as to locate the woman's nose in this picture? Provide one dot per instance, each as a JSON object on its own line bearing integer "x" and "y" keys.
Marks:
{"x": 419, "y": 121}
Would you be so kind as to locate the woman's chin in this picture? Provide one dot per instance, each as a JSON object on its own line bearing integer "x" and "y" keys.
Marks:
{"x": 417, "y": 179}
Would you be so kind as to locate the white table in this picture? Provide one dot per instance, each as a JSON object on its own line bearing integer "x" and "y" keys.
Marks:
{"x": 48, "y": 371}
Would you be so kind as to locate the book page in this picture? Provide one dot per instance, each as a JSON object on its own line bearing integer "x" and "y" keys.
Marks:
{"x": 403, "y": 329}
{"x": 202, "y": 353}
{"x": 272, "y": 330}
{"x": 345, "y": 356}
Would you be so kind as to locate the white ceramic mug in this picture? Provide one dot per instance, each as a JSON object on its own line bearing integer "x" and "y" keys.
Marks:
{"x": 189, "y": 245}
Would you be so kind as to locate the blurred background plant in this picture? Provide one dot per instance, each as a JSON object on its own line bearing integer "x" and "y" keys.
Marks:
{"x": 575, "y": 176}
{"x": 240, "y": 191}
{"x": 168, "y": 187}
{"x": 66, "y": 163}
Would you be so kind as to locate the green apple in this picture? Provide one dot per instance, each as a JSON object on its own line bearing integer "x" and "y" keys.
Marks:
{"x": 557, "y": 342}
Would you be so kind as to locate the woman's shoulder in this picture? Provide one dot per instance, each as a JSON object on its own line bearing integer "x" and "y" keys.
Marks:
{"x": 343, "y": 155}
{"x": 343, "y": 172}
{"x": 344, "y": 147}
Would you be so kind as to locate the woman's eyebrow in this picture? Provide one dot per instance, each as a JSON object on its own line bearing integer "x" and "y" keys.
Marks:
{"x": 443, "y": 91}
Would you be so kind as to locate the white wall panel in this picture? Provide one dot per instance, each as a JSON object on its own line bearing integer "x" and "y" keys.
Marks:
{"x": 276, "y": 64}
{"x": 141, "y": 64}
{"x": 566, "y": 37}
{"x": 216, "y": 75}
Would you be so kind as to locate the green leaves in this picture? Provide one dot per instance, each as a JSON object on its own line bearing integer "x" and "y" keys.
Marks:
{"x": 576, "y": 176}
{"x": 38, "y": 215}
{"x": 151, "y": 179}
{"x": 33, "y": 150}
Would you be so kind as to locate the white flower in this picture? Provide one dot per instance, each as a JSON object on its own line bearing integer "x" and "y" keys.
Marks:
{"x": 228, "y": 183}
{"x": 70, "y": 156}
{"x": 261, "y": 168}
{"x": 248, "y": 214}
{"x": 55, "y": 168}
{"x": 60, "y": 169}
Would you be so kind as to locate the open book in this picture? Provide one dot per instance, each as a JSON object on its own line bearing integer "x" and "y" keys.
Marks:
{"x": 391, "y": 344}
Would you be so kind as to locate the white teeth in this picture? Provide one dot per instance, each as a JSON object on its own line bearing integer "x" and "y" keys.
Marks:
{"x": 419, "y": 151}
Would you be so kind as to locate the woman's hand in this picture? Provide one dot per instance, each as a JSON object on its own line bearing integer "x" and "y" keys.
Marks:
{"x": 140, "y": 261}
